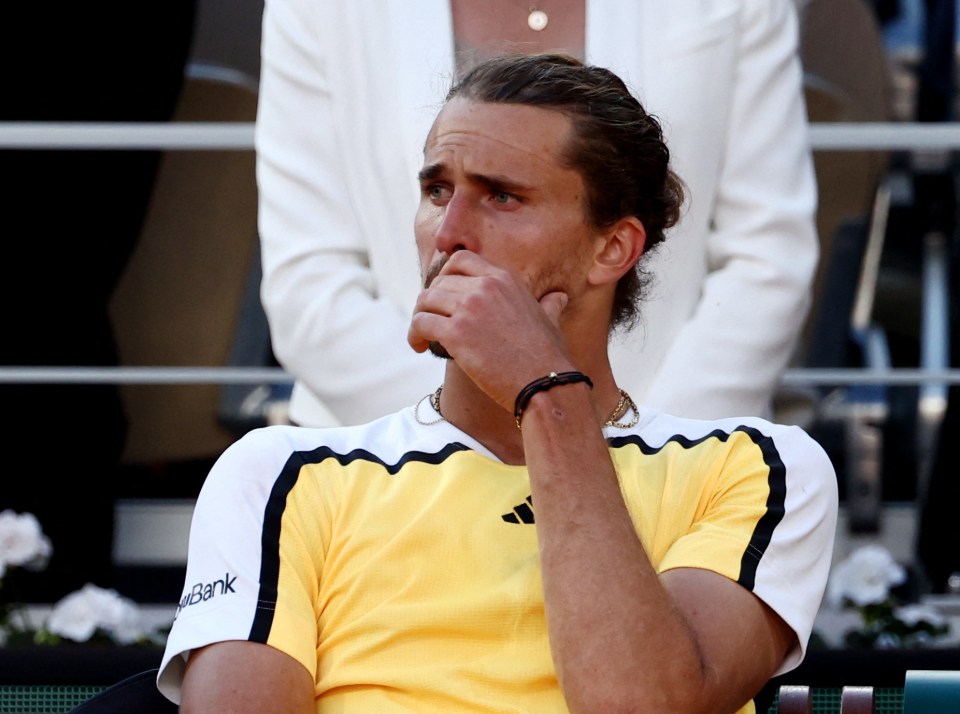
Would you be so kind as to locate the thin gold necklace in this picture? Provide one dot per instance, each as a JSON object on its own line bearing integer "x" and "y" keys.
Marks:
{"x": 626, "y": 404}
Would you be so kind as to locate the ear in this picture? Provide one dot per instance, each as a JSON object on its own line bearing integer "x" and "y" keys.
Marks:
{"x": 617, "y": 251}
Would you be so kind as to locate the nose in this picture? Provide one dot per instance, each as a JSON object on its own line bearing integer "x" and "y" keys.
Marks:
{"x": 457, "y": 229}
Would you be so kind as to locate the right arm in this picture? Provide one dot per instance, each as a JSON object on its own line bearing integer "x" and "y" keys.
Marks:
{"x": 218, "y": 678}
{"x": 332, "y": 325}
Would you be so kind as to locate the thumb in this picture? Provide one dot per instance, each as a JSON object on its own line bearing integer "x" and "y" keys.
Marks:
{"x": 553, "y": 304}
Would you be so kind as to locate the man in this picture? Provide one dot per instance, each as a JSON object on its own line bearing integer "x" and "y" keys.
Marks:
{"x": 526, "y": 538}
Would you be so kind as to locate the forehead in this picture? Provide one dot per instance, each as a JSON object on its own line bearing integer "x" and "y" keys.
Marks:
{"x": 508, "y": 134}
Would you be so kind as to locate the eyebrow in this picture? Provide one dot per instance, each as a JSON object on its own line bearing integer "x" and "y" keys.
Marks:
{"x": 431, "y": 172}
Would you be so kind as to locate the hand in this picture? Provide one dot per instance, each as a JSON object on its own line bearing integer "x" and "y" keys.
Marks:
{"x": 486, "y": 318}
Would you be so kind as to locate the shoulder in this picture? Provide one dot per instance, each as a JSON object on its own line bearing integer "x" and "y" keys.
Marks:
{"x": 781, "y": 445}
{"x": 264, "y": 454}
{"x": 658, "y": 424}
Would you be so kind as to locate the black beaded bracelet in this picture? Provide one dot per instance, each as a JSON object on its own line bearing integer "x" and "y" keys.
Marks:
{"x": 541, "y": 385}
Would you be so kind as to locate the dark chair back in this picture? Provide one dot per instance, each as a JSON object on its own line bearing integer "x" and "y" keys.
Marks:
{"x": 138, "y": 693}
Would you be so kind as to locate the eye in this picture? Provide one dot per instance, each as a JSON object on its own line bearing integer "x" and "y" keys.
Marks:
{"x": 436, "y": 192}
{"x": 504, "y": 198}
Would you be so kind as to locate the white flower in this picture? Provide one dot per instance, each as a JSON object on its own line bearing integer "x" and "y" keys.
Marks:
{"x": 22, "y": 542}
{"x": 913, "y": 615}
{"x": 81, "y": 613}
{"x": 865, "y": 577}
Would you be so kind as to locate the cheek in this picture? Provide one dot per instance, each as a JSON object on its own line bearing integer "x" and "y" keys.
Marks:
{"x": 423, "y": 214}
{"x": 564, "y": 265}
{"x": 425, "y": 223}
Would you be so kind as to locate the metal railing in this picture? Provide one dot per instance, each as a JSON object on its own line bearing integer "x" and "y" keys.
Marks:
{"x": 185, "y": 136}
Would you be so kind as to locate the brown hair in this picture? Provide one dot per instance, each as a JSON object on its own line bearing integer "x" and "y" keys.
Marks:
{"x": 617, "y": 147}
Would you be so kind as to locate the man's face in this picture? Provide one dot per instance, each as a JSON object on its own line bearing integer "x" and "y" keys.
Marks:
{"x": 493, "y": 182}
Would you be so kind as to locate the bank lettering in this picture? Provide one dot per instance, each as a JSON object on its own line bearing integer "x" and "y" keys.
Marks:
{"x": 201, "y": 592}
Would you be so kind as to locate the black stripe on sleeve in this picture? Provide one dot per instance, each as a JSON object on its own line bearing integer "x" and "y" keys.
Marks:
{"x": 270, "y": 549}
{"x": 776, "y": 496}
{"x": 775, "y": 507}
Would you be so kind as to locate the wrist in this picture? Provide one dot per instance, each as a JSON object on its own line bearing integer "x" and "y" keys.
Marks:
{"x": 554, "y": 379}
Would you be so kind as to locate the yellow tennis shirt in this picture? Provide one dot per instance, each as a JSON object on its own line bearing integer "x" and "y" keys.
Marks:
{"x": 398, "y": 562}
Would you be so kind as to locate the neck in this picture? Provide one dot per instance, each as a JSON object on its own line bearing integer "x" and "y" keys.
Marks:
{"x": 468, "y": 408}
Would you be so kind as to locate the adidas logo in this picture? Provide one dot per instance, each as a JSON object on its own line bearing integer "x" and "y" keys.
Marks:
{"x": 522, "y": 513}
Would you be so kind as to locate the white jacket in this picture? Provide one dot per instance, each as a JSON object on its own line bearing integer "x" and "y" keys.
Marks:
{"x": 348, "y": 92}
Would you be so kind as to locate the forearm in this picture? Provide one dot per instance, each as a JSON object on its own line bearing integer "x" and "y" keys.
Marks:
{"x": 615, "y": 635}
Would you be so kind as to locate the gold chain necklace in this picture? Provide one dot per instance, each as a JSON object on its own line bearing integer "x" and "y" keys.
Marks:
{"x": 626, "y": 404}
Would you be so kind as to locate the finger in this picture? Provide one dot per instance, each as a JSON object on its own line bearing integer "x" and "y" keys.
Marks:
{"x": 433, "y": 307}
{"x": 415, "y": 336}
{"x": 443, "y": 297}
{"x": 553, "y": 305}
{"x": 467, "y": 263}
{"x": 426, "y": 327}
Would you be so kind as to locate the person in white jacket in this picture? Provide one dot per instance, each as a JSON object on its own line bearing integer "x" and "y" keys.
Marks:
{"x": 347, "y": 94}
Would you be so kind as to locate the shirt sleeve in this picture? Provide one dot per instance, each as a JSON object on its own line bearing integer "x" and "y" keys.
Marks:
{"x": 242, "y": 537}
{"x": 769, "y": 522}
